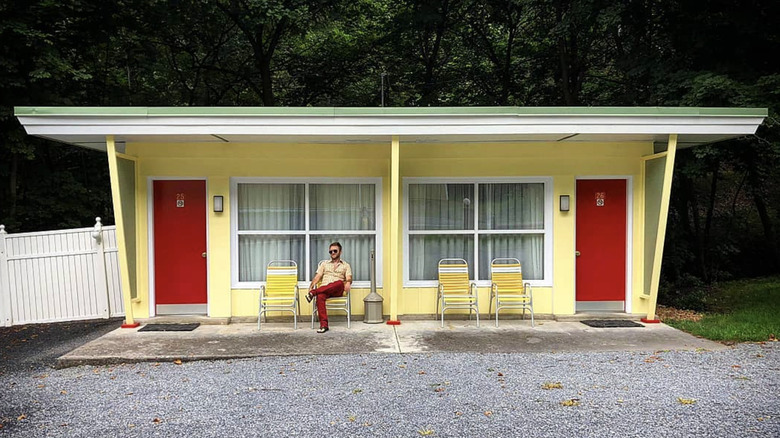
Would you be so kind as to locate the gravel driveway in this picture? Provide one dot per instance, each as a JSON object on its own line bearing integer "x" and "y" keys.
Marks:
{"x": 735, "y": 392}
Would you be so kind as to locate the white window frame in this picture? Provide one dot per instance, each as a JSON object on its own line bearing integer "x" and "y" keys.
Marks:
{"x": 234, "y": 233}
{"x": 546, "y": 281}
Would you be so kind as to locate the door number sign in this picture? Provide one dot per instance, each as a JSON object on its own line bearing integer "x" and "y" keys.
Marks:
{"x": 180, "y": 200}
{"x": 600, "y": 197}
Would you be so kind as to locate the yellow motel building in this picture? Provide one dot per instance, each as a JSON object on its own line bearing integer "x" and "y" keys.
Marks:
{"x": 205, "y": 198}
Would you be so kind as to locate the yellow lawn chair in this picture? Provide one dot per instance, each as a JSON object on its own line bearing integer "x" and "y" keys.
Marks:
{"x": 280, "y": 292}
{"x": 508, "y": 289}
{"x": 342, "y": 303}
{"x": 456, "y": 291}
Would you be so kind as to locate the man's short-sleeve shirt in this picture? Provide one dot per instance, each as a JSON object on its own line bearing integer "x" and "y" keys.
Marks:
{"x": 334, "y": 271}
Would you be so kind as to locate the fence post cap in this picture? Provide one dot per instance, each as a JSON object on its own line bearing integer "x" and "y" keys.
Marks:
{"x": 2, "y": 229}
{"x": 97, "y": 230}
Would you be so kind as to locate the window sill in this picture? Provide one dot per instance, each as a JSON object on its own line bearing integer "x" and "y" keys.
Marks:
{"x": 302, "y": 285}
{"x": 481, "y": 283}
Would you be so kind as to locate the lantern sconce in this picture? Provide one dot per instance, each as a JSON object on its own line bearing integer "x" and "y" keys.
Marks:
{"x": 564, "y": 203}
{"x": 218, "y": 204}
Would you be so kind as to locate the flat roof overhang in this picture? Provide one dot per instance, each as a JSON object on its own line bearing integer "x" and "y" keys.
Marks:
{"x": 89, "y": 126}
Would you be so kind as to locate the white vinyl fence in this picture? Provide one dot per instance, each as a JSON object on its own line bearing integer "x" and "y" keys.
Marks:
{"x": 63, "y": 275}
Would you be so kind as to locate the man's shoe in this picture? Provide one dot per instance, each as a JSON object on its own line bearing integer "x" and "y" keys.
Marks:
{"x": 309, "y": 297}
{"x": 322, "y": 330}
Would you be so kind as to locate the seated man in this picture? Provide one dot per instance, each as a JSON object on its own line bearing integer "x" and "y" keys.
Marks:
{"x": 336, "y": 276}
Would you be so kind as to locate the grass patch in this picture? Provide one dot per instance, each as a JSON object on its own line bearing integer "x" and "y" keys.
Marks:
{"x": 738, "y": 311}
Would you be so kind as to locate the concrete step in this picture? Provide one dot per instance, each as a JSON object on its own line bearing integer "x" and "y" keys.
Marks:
{"x": 580, "y": 316}
{"x": 184, "y": 319}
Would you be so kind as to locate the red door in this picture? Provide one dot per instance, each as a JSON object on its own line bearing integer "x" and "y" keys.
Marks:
{"x": 180, "y": 246}
{"x": 601, "y": 244}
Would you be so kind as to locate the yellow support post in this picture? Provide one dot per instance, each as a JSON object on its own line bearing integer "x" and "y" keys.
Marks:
{"x": 124, "y": 270}
{"x": 395, "y": 213}
{"x": 666, "y": 194}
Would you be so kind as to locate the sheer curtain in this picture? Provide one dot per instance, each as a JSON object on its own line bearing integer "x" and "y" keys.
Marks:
{"x": 343, "y": 207}
{"x": 513, "y": 212}
{"x": 516, "y": 207}
{"x": 441, "y": 206}
{"x": 528, "y": 248}
{"x": 446, "y": 207}
{"x": 277, "y": 207}
{"x": 355, "y": 251}
{"x": 425, "y": 251}
{"x": 335, "y": 210}
{"x": 255, "y": 251}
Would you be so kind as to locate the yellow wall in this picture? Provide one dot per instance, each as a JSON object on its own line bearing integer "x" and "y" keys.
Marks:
{"x": 217, "y": 162}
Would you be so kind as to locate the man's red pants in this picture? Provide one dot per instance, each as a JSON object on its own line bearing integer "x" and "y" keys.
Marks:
{"x": 335, "y": 289}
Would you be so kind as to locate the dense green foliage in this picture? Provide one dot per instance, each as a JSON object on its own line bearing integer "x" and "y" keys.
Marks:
{"x": 738, "y": 311}
{"x": 430, "y": 53}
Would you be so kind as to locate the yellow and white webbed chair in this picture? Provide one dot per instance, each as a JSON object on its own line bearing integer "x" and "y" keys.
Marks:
{"x": 508, "y": 289}
{"x": 456, "y": 291}
{"x": 342, "y": 303}
{"x": 280, "y": 292}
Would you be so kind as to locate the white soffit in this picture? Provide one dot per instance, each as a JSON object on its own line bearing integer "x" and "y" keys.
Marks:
{"x": 638, "y": 124}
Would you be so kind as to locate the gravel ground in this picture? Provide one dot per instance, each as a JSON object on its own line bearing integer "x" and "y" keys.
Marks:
{"x": 735, "y": 392}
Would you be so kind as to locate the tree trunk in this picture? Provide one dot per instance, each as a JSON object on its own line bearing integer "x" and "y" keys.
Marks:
{"x": 267, "y": 82}
{"x": 12, "y": 184}
{"x": 708, "y": 222}
{"x": 769, "y": 232}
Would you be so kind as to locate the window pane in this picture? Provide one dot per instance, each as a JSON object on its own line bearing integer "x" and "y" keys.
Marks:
{"x": 425, "y": 251}
{"x": 254, "y": 253}
{"x": 276, "y": 207}
{"x": 528, "y": 248}
{"x": 511, "y": 206}
{"x": 355, "y": 250}
{"x": 342, "y": 206}
{"x": 441, "y": 206}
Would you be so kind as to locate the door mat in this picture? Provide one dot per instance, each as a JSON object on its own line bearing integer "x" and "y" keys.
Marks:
{"x": 610, "y": 323}
{"x": 169, "y": 327}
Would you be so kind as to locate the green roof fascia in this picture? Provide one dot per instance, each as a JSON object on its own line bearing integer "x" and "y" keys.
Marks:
{"x": 28, "y": 111}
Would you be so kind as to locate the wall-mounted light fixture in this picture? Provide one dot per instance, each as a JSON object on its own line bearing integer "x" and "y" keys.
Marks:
{"x": 218, "y": 204}
{"x": 564, "y": 203}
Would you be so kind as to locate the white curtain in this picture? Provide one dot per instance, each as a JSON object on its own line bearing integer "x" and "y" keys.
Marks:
{"x": 339, "y": 208}
{"x": 514, "y": 206}
{"x": 509, "y": 207}
{"x": 518, "y": 206}
{"x": 271, "y": 207}
{"x": 528, "y": 248}
{"x": 356, "y": 251}
{"x": 425, "y": 251}
{"x": 342, "y": 207}
{"x": 441, "y": 206}
{"x": 255, "y": 251}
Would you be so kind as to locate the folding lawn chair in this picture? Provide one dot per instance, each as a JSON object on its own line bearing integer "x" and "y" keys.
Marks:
{"x": 280, "y": 292}
{"x": 456, "y": 291}
{"x": 508, "y": 289}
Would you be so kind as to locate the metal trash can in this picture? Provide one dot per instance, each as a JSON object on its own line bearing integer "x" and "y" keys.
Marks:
{"x": 373, "y": 302}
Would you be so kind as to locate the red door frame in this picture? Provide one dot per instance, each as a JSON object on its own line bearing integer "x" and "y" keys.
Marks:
{"x": 150, "y": 241}
{"x": 629, "y": 235}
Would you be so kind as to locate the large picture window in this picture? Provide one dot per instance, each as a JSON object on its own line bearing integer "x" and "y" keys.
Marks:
{"x": 297, "y": 220}
{"x": 477, "y": 221}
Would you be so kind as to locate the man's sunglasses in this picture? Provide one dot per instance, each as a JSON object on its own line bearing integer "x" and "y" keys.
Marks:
{"x": 333, "y": 251}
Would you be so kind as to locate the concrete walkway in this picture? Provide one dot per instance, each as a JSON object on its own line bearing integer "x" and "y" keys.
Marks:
{"x": 209, "y": 342}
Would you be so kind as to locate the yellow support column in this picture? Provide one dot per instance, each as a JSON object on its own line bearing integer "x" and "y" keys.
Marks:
{"x": 395, "y": 212}
{"x": 666, "y": 194}
{"x": 124, "y": 270}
